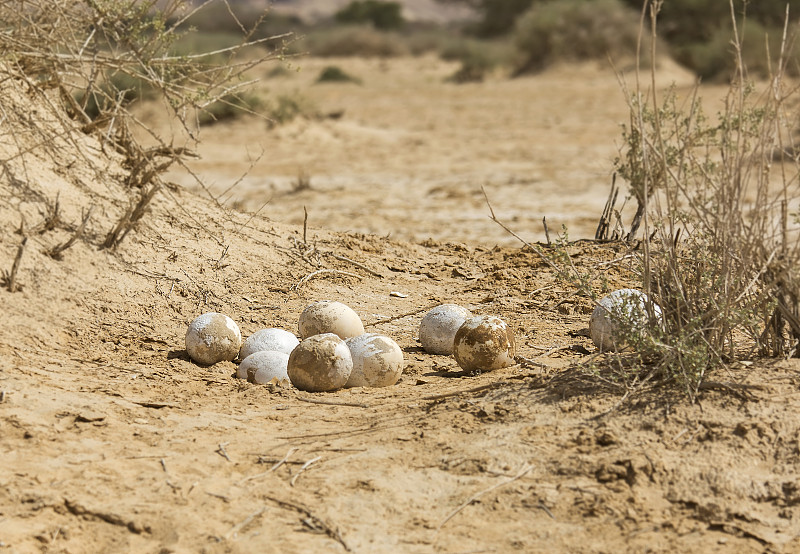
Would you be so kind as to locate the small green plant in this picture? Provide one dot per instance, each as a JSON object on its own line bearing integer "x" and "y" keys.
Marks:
{"x": 335, "y": 74}
{"x": 381, "y": 15}
{"x": 285, "y": 108}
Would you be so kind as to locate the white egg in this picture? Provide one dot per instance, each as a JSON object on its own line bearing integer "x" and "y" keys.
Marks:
{"x": 213, "y": 338}
{"x": 438, "y": 328}
{"x": 377, "y": 361}
{"x": 320, "y": 363}
{"x": 484, "y": 343}
{"x": 263, "y": 366}
{"x": 623, "y": 311}
{"x": 328, "y": 316}
{"x": 269, "y": 339}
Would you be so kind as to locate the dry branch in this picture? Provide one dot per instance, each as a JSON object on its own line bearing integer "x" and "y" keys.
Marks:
{"x": 332, "y": 532}
{"x": 56, "y": 251}
{"x": 525, "y": 469}
{"x": 10, "y": 278}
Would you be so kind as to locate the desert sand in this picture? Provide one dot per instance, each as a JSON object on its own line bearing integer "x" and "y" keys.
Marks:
{"x": 113, "y": 440}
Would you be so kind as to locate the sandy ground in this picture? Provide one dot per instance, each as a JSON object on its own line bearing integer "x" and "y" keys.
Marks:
{"x": 409, "y": 152}
{"x": 114, "y": 441}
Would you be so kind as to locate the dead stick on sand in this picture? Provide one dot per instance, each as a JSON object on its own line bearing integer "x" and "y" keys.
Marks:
{"x": 319, "y": 272}
{"x": 330, "y": 531}
{"x": 303, "y": 468}
{"x": 11, "y": 279}
{"x": 355, "y": 263}
{"x": 464, "y": 391}
{"x": 239, "y": 526}
{"x": 277, "y": 464}
{"x": 525, "y": 469}
{"x": 222, "y": 452}
{"x": 332, "y": 402}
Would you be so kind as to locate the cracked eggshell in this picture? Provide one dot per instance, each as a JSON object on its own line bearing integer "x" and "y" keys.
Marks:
{"x": 278, "y": 340}
{"x": 328, "y": 316}
{"x": 377, "y": 361}
{"x": 484, "y": 343}
{"x": 263, "y": 366}
{"x": 320, "y": 363}
{"x": 623, "y": 305}
{"x": 438, "y": 328}
{"x": 213, "y": 338}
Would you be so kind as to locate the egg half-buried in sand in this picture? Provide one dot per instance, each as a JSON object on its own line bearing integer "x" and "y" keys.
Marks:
{"x": 377, "y": 361}
{"x": 484, "y": 343}
{"x": 438, "y": 328}
{"x": 621, "y": 312}
{"x": 328, "y": 316}
{"x": 263, "y": 366}
{"x": 269, "y": 339}
{"x": 320, "y": 363}
{"x": 213, "y": 338}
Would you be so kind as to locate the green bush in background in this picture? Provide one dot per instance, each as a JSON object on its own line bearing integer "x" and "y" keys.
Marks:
{"x": 381, "y": 15}
{"x": 575, "y": 30}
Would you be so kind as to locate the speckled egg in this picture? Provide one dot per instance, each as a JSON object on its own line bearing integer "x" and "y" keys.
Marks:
{"x": 484, "y": 343}
{"x": 263, "y": 366}
{"x": 377, "y": 361}
{"x": 320, "y": 363}
{"x": 213, "y": 338}
{"x": 438, "y": 328}
{"x": 279, "y": 340}
{"x": 620, "y": 312}
{"x": 328, "y": 316}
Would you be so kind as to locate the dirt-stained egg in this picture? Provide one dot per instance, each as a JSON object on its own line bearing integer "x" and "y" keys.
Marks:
{"x": 619, "y": 316}
{"x": 329, "y": 316}
{"x": 377, "y": 361}
{"x": 484, "y": 343}
{"x": 263, "y": 366}
{"x": 279, "y": 340}
{"x": 212, "y": 338}
{"x": 320, "y": 363}
{"x": 438, "y": 327}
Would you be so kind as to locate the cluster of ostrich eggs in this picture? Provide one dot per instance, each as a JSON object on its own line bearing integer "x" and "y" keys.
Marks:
{"x": 619, "y": 314}
{"x": 332, "y": 350}
{"x": 478, "y": 343}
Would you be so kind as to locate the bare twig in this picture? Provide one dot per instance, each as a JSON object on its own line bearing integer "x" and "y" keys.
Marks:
{"x": 244, "y": 523}
{"x": 525, "y": 469}
{"x": 319, "y": 272}
{"x": 464, "y": 391}
{"x": 358, "y": 265}
{"x": 10, "y": 278}
{"x": 56, "y": 251}
{"x": 222, "y": 452}
{"x": 333, "y": 402}
{"x": 303, "y": 468}
{"x": 332, "y": 532}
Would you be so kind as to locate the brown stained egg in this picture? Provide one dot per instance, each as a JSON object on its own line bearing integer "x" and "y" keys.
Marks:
{"x": 269, "y": 339}
{"x": 320, "y": 363}
{"x": 263, "y": 366}
{"x": 213, "y": 338}
{"x": 438, "y": 328}
{"x": 377, "y": 361}
{"x": 484, "y": 343}
{"x": 328, "y": 316}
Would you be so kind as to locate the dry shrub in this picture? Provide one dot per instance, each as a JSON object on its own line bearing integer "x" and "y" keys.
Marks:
{"x": 721, "y": 250}
{"x": 91, "y": 61}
